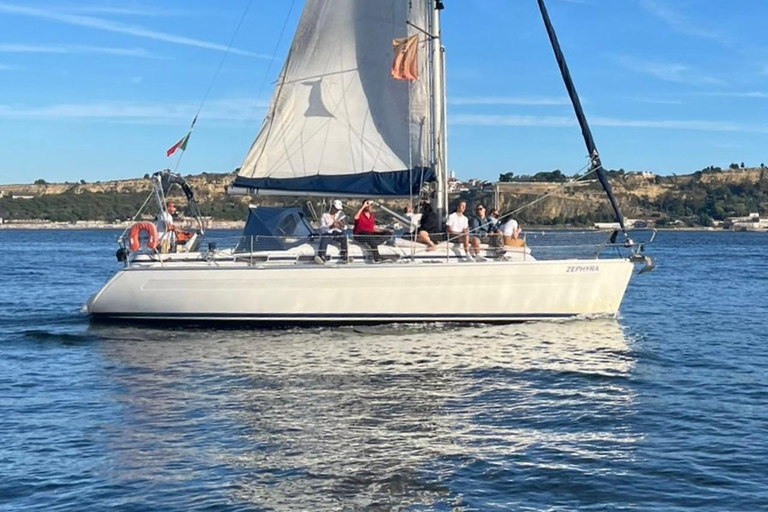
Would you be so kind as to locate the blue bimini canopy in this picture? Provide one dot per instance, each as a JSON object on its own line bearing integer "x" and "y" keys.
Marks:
{"x": 367, "y": 184}
{"x": 273, "y": 228}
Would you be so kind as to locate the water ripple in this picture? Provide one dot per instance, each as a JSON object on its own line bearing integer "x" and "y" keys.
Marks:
{"x": 661, "y": 411}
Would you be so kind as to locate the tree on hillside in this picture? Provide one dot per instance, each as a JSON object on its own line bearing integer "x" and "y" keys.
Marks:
{"x": 733, "y": 166}
{"x": 742, "y": 165}
{"x": 41, "y": 181}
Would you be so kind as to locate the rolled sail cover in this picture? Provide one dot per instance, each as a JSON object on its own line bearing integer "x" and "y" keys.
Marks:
{"x": 338, "y": 123}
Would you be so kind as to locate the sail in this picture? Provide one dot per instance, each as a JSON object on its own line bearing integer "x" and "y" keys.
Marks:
{"x": 338, "y": 122}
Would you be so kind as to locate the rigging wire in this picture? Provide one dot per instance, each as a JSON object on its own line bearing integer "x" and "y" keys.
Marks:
{"x": 537, "y": 200}
{"x": 215, "y": 76}
{"x": 553, "y": 191}
{"x": 265, "y": 78}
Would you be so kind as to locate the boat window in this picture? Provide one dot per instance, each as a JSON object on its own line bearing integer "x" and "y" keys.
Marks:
{"x": 287, "y": 226}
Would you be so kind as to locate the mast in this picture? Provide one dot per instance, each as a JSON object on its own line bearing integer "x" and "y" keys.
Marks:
{"x": 594, "y": 156}
{"x": 439, "y": 150}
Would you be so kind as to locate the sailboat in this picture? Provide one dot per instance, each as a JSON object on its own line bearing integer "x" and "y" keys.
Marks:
{"x": 347, "y": 121}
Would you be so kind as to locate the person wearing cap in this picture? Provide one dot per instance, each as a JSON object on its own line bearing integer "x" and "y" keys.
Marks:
{"x": 332, "y": 226}
{"x": 166, "y": 232}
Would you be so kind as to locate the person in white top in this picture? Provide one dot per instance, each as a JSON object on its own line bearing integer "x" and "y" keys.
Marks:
{"x": 511, "y": 232}
{"x": 332, "y": 226}
{"x": 458, "y": 229}
{"x": 414, "y": 218}
{"x": 166, "y": 232}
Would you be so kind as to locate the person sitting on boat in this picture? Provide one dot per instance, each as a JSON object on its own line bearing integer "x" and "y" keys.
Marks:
{"x": 484, "y": 228}
{"x": 457, "y": 226}
{"x": 415, "y": 220}
{"x": 166, "y": 231}
{"x": 511, "y": 232}
{"x": 332, "y": 226}
{"x": 493, "y": 219}
{"x": 365, "y": 230}
{"x": 429, "y": 226}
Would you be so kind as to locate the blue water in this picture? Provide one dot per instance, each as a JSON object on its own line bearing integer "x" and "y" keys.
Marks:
{"x": 665, "y": 409}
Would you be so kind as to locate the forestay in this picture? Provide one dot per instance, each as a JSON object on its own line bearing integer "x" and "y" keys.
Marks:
{"x": 338, "y": 122}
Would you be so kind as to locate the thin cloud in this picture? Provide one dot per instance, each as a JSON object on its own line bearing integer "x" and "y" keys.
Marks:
{"x": 748, "y": 94}
{"x": 668, "y": 71}
{"x": 508, "y": 100}
{"x": 656, "y": 101}
{"x": 122, "y": 11}
{"x": 75, "y": 49}
{"x": 118, "y": 27}
{"x": 228, "y": 109}
{"x": 682, "y": 24}
{"x": 567, "y": 122}
{"x": 512, "y": 120}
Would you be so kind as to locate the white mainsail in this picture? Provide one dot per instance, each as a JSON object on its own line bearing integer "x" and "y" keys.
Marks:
{"x": 338, "y": 122}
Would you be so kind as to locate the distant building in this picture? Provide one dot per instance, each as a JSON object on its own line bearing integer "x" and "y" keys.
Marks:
{"x": 608, "y": 226}
{"x": 751, "y": 223}
{"x": 648, "y": 175}
{"x": 3, "y": 215}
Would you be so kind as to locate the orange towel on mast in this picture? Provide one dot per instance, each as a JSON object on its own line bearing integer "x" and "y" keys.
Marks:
{"x": 406, "y": 63}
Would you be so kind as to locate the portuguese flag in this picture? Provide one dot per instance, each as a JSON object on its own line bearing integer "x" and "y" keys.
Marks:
{"x": 182, "y": 144}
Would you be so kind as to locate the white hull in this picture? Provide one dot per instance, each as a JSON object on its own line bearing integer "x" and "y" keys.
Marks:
{"x": 502, "y": 291}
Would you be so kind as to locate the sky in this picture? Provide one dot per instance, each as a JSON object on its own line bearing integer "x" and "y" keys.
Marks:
{"x": 99, "y": 89}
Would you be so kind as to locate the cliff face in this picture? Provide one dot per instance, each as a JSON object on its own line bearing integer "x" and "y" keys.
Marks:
{"x": 714, "y": 193}
{"x": 205, "y": 185}
{"x": 709, "y": 194}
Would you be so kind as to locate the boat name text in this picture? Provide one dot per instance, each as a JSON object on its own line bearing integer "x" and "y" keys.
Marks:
{"x": 582, "y": 268}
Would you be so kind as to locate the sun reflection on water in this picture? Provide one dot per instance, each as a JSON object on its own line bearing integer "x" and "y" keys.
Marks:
{"x": 365, "y": 416}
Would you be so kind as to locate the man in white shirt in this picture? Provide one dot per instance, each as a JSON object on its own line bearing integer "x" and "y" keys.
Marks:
{"x": 332, "y": 226}
{"x": 166, "y": 232}
{"x": 458, "y": 229}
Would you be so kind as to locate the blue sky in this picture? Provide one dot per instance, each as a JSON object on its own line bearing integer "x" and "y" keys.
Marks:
{"x": 99, "y": 89}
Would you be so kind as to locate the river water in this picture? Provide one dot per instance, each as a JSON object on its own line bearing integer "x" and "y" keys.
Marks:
{"x": 664, "y": 409}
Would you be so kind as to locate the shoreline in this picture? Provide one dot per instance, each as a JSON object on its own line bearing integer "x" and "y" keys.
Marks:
{"x": 224, "y": 225}
{"x": 86, "y": 225}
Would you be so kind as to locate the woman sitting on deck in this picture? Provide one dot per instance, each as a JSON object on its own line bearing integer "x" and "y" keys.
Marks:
{"x": 429, "y": 226}
{"x": 365, "y": 230}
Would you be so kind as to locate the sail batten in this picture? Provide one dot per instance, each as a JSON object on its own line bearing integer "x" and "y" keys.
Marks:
{"x": 337, "y": 118}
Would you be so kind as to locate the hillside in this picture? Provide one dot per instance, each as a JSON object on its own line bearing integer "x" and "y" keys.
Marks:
{"x": 697, "y": 199}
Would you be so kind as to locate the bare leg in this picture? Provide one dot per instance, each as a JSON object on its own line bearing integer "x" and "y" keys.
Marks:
{"x": 475, "y": 244}
{"x": 423, "y": 237}
{"x": 465, "y": 241}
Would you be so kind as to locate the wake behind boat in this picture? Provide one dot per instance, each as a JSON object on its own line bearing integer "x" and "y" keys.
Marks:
{"x": 350, "y": 120}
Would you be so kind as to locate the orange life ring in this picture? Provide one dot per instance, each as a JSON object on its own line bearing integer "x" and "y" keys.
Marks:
{"x": 134, "y": 241}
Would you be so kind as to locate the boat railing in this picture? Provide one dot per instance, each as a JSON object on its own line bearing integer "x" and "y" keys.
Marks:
{"x": 257, "y": 250}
